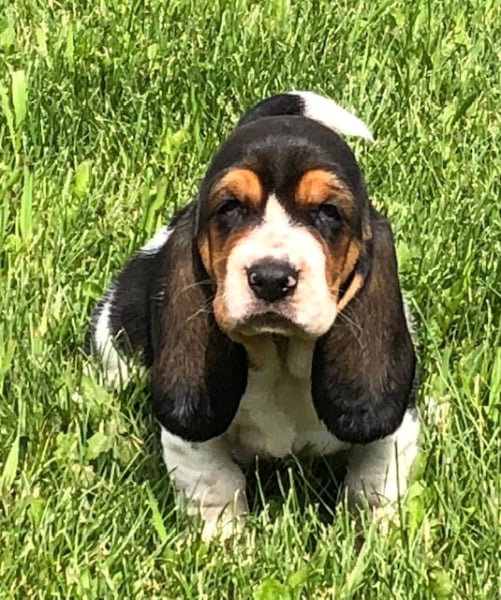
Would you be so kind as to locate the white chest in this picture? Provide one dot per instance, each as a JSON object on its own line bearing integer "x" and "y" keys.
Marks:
{"x": 276, "y": 416}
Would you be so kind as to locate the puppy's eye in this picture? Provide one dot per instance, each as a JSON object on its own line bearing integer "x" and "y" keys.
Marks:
{"x": 328, "y": 212}
{"x": 231, "y": 208}
{"x": 231, "y": 213}
{"x": 327, "y": 219}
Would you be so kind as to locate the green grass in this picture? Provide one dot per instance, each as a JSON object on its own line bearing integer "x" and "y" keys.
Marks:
{"x": 109, "y": 112}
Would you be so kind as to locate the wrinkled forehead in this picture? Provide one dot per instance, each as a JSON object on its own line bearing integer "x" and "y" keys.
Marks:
{"x": 280, "y": 149}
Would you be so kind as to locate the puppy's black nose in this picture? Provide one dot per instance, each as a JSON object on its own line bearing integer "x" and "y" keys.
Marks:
{"x": 272, "y": 280}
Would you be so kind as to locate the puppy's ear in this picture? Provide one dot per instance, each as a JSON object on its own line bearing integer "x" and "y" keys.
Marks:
{"x": 363, "y": 368}
{"x": 198, "y": 375}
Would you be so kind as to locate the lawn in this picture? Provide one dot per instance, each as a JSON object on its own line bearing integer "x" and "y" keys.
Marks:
{"x": 109, "y": 112}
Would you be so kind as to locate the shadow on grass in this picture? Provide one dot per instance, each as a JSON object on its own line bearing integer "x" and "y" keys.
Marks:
{"x": 271, "y": 484}
{"x": 307, "y": 482}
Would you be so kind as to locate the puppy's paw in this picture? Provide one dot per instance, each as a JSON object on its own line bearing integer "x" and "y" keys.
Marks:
{"x": 386, "y": 516}
{"x": 222, "y": 524}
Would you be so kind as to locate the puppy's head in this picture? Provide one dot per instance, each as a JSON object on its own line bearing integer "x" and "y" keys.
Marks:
{"x": 283, "y": 222}
{"x": 281, "y": 240}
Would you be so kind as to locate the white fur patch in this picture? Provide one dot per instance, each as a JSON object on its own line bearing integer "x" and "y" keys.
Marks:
{"x": 156, "y": 243}
{"x": 380, "y": 470}
{"x": 115, "y": 368}
{"x": 208, "y": 482}
{"x": 408, "y": 318}
{"x": 276, "y": 416}
{"x": 326, "y": 111}
{"x": 311, "y": 307}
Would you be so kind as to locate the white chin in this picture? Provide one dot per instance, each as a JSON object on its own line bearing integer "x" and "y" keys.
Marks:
{"x": 250, "y": 330}
{"x": 271, "y": 324}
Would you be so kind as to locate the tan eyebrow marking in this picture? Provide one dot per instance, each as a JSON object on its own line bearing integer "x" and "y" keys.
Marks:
{"x": 214, "y": 248}
{"x": 318, "y": 185}
{"x": 243, "y": 183}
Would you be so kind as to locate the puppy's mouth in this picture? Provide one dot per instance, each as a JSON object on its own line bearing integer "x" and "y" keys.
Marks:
{"x": 270, "y": 322}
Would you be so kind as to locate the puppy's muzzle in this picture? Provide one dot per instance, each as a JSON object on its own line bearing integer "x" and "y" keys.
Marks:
{"x": 271, "y": 280}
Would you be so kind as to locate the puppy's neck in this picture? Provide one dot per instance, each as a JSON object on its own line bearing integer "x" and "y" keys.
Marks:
{"x": 272, "y": 353}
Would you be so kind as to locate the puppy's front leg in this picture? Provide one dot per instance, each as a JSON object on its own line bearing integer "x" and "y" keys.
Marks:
{"x": 209, "y": 482}
{"x": 378, "y": 472}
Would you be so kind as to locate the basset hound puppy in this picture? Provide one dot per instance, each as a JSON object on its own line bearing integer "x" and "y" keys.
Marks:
{"x": 269, "y": 316}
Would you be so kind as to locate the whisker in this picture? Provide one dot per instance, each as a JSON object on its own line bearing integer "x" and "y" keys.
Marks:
{"x": 354, "y": 327}
{"x": 204, "y": 309}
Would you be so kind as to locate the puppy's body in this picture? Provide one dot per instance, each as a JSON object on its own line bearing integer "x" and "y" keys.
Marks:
{"x": 270, "y": 317}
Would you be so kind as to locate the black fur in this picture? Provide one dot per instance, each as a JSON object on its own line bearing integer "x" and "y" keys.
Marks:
{"x": 199, "y": 375}
{"x": 364, "y": 368}
{"x": 280, "y": 104}
{"x": 136, "y": 290}
{"x": 139, "y": 287}
{"x": 280, "y": 150}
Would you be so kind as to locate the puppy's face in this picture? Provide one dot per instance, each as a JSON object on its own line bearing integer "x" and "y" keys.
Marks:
{"x": 282, "y": 228}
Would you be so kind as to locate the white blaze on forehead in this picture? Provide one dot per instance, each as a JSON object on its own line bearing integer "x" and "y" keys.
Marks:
{"x": 276, "y": 216}
{"x": 278, "y": 237}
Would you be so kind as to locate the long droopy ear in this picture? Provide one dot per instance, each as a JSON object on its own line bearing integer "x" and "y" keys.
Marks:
{"x": 198, "y": 375}
{"x": 363, "y": 368}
